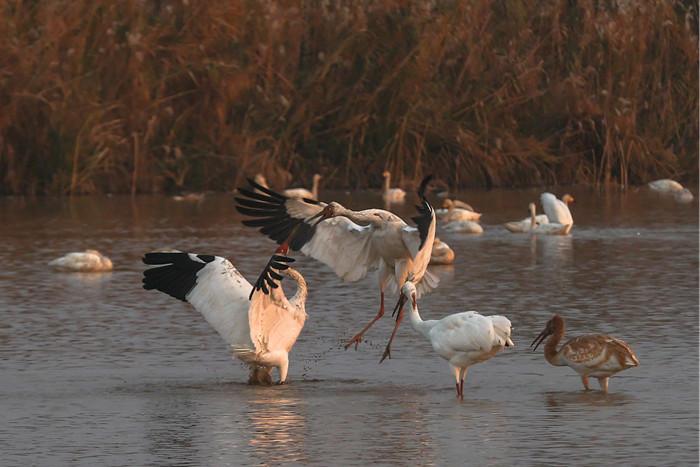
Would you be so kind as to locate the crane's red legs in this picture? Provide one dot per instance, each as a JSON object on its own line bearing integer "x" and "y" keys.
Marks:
{"x": 358, "y": 337}
{"x": 399, "y": 305}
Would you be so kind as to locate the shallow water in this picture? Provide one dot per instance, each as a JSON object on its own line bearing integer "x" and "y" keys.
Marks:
{"x": 97, "y": 371}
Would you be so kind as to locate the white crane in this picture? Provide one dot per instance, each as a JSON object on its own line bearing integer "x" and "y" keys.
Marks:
{"x": 258, "y": 322}
{"x": 349, "y": 242}
{"x": 303, "y": 192}
{"x": 596, "y": 355}
{"x": 82, "y": 261}
{"x": 463, "y": 339}
{"x": 391, "y": 195}
{"x": 557, "y": 210}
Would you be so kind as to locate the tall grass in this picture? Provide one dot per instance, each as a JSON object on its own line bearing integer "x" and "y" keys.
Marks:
{"x": 146, "y": 95}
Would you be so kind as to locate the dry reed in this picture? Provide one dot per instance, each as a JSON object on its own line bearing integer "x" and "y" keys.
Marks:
{"x": 148, "y": 96}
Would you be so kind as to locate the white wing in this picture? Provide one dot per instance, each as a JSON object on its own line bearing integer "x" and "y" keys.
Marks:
{"x": 343, "y": 246}
{"x": 556, "y": 210}
{"x": 211, "y": 284}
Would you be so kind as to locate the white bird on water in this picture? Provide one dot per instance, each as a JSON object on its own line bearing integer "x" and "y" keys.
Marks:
{"x": 672, "y": 187}
{"x": 82, "y": 261}
{"x": 349, "y": 242}
{"x": 391, "y": 195}
{"x": 442, "y": 254}
{"x": 464, "y": 227}
{"x": 257, "y": 322}
{"x": 303, "y": 192}
{"x": 557, "y": 210}
{"x": 596, "y": 355}
{"x": 463, "y": 339}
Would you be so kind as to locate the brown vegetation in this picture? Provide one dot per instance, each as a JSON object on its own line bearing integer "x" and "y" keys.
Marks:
{"x": 142, "y": 96}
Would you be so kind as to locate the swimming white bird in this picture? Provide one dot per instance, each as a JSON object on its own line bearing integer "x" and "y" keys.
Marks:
{"x": 455, "y": 203}
{"x": 668, "y": 186}
{"x": 442, "y": 253}
{"x": 391, "y": 195}
{"x": 596, "y": 355}
{"x": 190, "y": 197}
{"x": 258, "y": 322}
{"x": 463, "y": 339}
{"x": 464, "y": 227}
{"x": 303, "y": 192}
{"x": 557, "y": 210}
{"x": 458, "y": 214}
{"x": 526, "y": 224}
{"x": 550, "y": 228}
{"x": 83, "y": 261}
{"x": 349, "y": 242}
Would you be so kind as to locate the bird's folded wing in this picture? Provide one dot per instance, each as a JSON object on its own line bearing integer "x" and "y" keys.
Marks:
{"x": 556, "y": 210}
{"x": 210, "y": 283}
{"x": 279, "y": 217}
{"x": 343, "y": 246}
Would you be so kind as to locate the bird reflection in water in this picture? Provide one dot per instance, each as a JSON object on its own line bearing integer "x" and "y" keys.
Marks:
{"x": 562, "y": 399}
{"x": 278, "y": 427}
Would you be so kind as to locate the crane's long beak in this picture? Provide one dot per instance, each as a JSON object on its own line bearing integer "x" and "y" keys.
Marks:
{"x": 540, "y": 338}
{"x": 399, "y": 305}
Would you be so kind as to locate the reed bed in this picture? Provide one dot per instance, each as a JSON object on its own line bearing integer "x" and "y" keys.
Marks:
{"x": 151, "y": 96}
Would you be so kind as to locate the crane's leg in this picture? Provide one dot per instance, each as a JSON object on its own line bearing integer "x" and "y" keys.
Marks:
{"x": 457, "y": 372}
{"x": 584, "y": 380}
{"x": 462, "y": 376}
{"x": 358, "y": 337}
{"x": 603, "y": 383}
{"x": 283, "y": 368}
{"x": 387, "y": 351}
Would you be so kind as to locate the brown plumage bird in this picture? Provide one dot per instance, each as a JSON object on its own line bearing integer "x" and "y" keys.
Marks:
{"x": 596, "y": 355}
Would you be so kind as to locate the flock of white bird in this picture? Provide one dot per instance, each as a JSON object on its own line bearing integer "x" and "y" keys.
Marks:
{"x": 261, "y": 325}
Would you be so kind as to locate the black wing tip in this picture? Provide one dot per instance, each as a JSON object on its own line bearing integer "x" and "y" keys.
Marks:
{"x": 176, "y": 274}
{"x": 268, "y": 277}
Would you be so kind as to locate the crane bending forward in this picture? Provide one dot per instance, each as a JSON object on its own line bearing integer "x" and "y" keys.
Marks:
{"x": 350, "y": 242}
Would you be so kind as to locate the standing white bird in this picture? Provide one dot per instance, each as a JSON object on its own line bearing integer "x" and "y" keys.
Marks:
{"x": 557, "y": 210}
{"x": 668, "y": 186}
{"x": 349, "y": 242}
{"x": 596, "y": 355}
{"x": 257, "y": 322}
{"x": 82, "y": 261}
{"x": 303, "y": 192}
{"x": 463, "y": 339}
{"x": 550, "y": 228}
{"x": 391, "y": 195}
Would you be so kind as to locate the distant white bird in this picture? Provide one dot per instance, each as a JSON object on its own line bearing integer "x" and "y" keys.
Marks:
{"x": 525, "y": 225}
{"x": 458, "y": 214}
{"x": 463, "y": 339}
{"x": 303, "y": 192}
{"x": 464, "y": 227}
{"x": 84, "y": 261}
{"x": 455, "y": 203}
{"x": 442, "y": 253}
{"x": 257, "y": 322}
{"x": 349, "y": 242}
{"x": 550, "y": 228}
{"x": 391, "y": 195}
{"x": 672, "y": 187}
{"x": 596, "y": 355}
{"x": 557, "y": 211}
{"x": 190, "y": 197}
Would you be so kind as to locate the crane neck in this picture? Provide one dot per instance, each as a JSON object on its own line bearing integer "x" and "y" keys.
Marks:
{"x": 551, "y": 354}
{"x": 299, "y": 298}
{"x": 360, "y": 218}
{"x": 387, "y": 182}
{"x": 417, "y": 322}
{"x": 533, "y": 219}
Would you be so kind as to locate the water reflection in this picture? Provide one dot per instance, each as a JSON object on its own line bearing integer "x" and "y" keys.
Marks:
{"x": 278, "y": 426}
